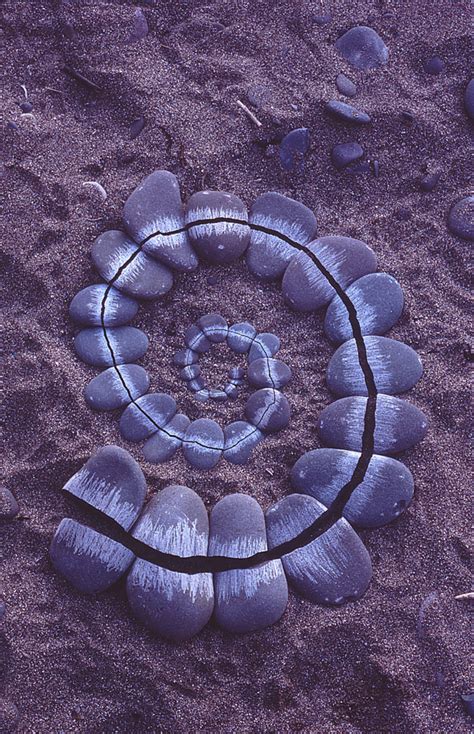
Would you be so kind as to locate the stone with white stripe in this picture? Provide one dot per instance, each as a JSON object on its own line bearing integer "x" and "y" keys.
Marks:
{"x": 138, "y": 275}
{"x": 87, "y": 306}
{"x": 398, "y": 424}
{"x": 196, "y": 340}
{"x": 305, "y": 287}
{"x": 214, "y": 326}
{"x": 241, "y": 336}
{"x": 378, "y": 301}
{"x": 185, "y": 357}
{"x": 264, "y": 345}
{"x": 116, "y": 387}
{"x": 240, "y": 439}
{"x": 269, "y": 373}
{"x": 122, "y": 344}
{"x": 248, "y": 599}
{"x": 203, "y": 443}
{"x": 190, "y": 372}
{"x": 152, "y": 212}
{"x": 384, "y": 493}
{"x": 396, "y": 367}
{"x": 163, "y": 445}
{"x": 217, "y": 242}
{"x": 267, "y": 254}
{"x": 332, "y": 569}
{"x": 174, "y": 605}
{"x": 146, "y": 415}
{"x": 268, "y": 409}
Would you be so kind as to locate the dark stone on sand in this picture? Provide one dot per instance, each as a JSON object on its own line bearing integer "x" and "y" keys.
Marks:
{"x": 196, "y": 385}
{"x": 248, "y": 599}
{"x": 240, "y": 438}
{"x": 434, "y": 66}
{"x": 214, "y": 326}
{"x": 293, "y": 148}
{"x": 468, "y": 703}
{"x": 8, "y": 505}
{"x": 385, "y": 492}
{"x": 356, "y": 169}
{"x": 469, "y": 99}
{"x": 264, "y": 345}
{"x": 203, "y": 443}
{"x": 345, "y": 153}
{"x": 163, "y": 445}
{"x": 378, "y": 301}
{"x": 334, "y": 568}
{"x": 347, "y": 112}
{"x": 232, "y": 391}
{"x": 269, "y": 373}
{"x": 403, "y": 214}
{"x": 305, "y": 288}
{"x": 268, "y": 255}
{"x": 86, "y": 306}
{"x": 190, "y": 372}
{"x": 220, "y": 242}
{"x": 174, "y": 605}
{"x": 195, "y": 339}
{"x": 115, "y": 387}
{"x": 127, "y": 344}
{"x": 139, "y": 26}
{"x": 407, "y": 117}
{"x": 430, "y": 181}
{"x": 363, "y": 48}
{"x": 346, "y": 86}
{"x": 399, "y": 425}
{"x": 240, "y": 337}
{"x": 26, "y": 107}
{"x": 268, "y": 409}
{"x": 461, "y": 218}
{"x": 3, "y": 611}
{"x": 236, "y": 373}
{"x": 146, "y": 415}
{"x": 185, "y": 357}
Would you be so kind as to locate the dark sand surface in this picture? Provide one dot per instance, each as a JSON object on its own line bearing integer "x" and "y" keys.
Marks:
{"x": 396, "y": 661}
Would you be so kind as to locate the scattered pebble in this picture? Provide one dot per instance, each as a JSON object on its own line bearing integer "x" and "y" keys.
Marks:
{"x": 407, "y": 117}
{"x": 435, "y": 65}
{"x": 136, "y": 127}
{"x": 139, "y": 27}
{"x": 8, "y": 505}
{"x": 12, "y": 126}
{"x": 26, "y": 107}
{"x": 346, "y": 86}
{"x": 469, "y": 99}
{"x": 347, "y": 112}
{"x": 363, "y": 48}
{"x": 375, "y": 168}
{"x": 345, "y": 153}
{"x": 468, "y": 703}
{"x": 293, "y": 148}
{"x": 461, "y": 218}
{"x": 430, "y": 181}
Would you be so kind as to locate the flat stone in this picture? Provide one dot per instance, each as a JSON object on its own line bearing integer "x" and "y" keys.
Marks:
{"x": 219, "y": 242}
{"x": 146, "y": 415}
{"x": 202, "y": 396}
{"x": 196, "y": 385}
{"x": 142, "y": 277}
{"x": 112, "y": 482}
{"x": 185, "y": 357}
{"x": 469, "y": 99}
{"x": 86, "y": 306}
{"x": 203, "y": 443}
{"x": 214, "y": 326}
{"x": 196, "y": 340}
{"x": 267, "y": 372}
{"x": 385, "y": 492}
{"x": 461, "y": 218}
{"x": 248, "y": 599}
{"x": 190, "y": 372}
{"x": 347, "y": 112}
{"x": 293, "y": 148}
{"x": 396, "y": 367}
{"x": 399, "y": 425}
{"x": 163, "y": 445}
{"x": 268, "y": 255}
{"x": 346, "y": 86}
{"x": 126, "y": 342}
{"x": 236, "y": 373}
{"x": 345, "y": 153}
{"x": 8, "y": 505}
{"x": 240, "y": 439}
{"x": 305, "y": 288}
{"x": 332, "y": 569}
{"x": 174, "y": 605}
{"x": 90, "y": 561}
{"x": 155, "y": 206}
{"x": 378, "y": 300}
{"x": 434, "y": 66}
{"x": 264, "y": 345}
{"x": 240, "y": 337}
{"x": 363, "y": 48}
{"x": 107, "y": 391}
{"x": 268, "y": 409}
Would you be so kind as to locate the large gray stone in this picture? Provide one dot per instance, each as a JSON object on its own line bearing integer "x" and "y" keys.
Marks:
{"x": 268, "y": 409}
{"x": 363, "y": 48}
{"x": 214, "y": 326}
{"x": 163, "y": 445}
{"x": 240, "y": 337}
{"x": 116, "y": 387}
{"x": 240, "y": 439}
{"x": 203, "y": 443}
{"x": 269, "y": 373}
{"x": 87, "y": 306}
{"x": 264, "y": 345}
{"x": 217, "y": 242}
{"x": 125, "y": 343}
{"x": 146, "y": 415}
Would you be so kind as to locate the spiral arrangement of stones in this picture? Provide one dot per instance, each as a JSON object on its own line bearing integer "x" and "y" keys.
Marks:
{"x": 183, "y": 566}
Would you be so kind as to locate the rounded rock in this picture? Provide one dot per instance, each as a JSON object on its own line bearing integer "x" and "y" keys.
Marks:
{"x": 146, "y": 415}
{"x": 430, "y": 181}
{"x": 240, "y": 337}
{"x": 461, "y": 218}
{"x": 214, "y": 327}
{"x": 346, "y": 86}
{"x": 163, "y": 445}
{"x": 116, "y": 387}
{"x": 190, "y": 372}
{"x": 264, "y": 345}
{"x": 87, "y": 305}
{"x": 217, "y": 242}
{"x": 240, "y": 439}
{"x": 293, "y": 148}
{"x": 434, "y": 66}
{"x": 268, "y": 409}
{"x": 185, "y": 357}
{"x": 203, "y": 443}
{"x": 196, "y": 340}
{"x": 125, "y": 343}
{"x": 363, "y": 48}
{"x": 469, "y": 99}
{"x": 347, "y": 112}
{"x": 345, "y": 153}
{"x": 236, "y": 373}
{"x": 196, "y": 385}
{"x": 8, "y": 505}
{"x": 269, "y": 373}
{"x": 232, "y": 391}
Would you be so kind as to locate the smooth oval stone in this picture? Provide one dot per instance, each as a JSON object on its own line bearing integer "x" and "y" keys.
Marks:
{"x": 219, "y": 395}
{"x": 155, "y": 208}
{"x": 146, "y": 415}
{"x": 345, "y": 153}
{"x": 396, "y": 367}
{"x": 127, "y": 343}
{"x": 347, "y": 112}
{"x": 240, "y": 439}
{"x": 461, "y": 218}
{"x": 202, "y": 395}
{"x": 236, "y": 373}
{"x": 163, "y": 445}
{"x": 142, "y": 278}
{"x": 214, "y": 326}
{"x": 112, "y": 482}
{"x": 196, "y": 340}
{"x": 430, "y": 181}
{"x": 469, "y": 99}
{"x": 346, "y": 86}
{"x": 363, "y": 48}
{"x": 264, "y": 345}
{"x": 196, "y": 385}
{"x": 248, "y": 599}
{"x": 8, "y": 505}
{"x": 268, "y": 255}
{"x": 332, "y": 569}
{"x": 305, "y": 288}
{"x": 384, "y": 493}
{"x": 240, "y": 337}
{"x": 434, "y": 66}
{"x": 398, "y": 424}
{"x": 293, "y": 148}
{"x": 90, "y": 561}
{"x": 378, "y": 301}
{"x": 174, "y": 605}
{"x": 185, "y": 357}
{"x": 86, "y": 306}
{"x": 189, "y": 373}
{"x": 269, "y": 373}
{"x": 203, "y": 443}
{"x": 116, "y": 387}
{"x": 268, "y": 409}
{"x": 217, "y": 242}
{"x": 232, "y": 391}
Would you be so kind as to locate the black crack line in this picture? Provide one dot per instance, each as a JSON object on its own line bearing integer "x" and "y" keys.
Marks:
{"x": 215, "y": 564}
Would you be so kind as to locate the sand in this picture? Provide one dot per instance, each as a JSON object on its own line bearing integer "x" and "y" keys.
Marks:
{"x": 396, "y": 661}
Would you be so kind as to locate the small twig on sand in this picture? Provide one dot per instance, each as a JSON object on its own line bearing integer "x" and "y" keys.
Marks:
{"x": 249, "y": 113}
{"x": 25, "y": 91}
{"x": 469, "y": 596}
{"x": 53, "y": 89}
{"x": 81, "y": 79}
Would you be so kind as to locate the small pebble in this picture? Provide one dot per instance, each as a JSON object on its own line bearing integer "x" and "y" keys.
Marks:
{"x": 258, "y": 95}
{"x": 191, "y": 372}
{"x": 435, "y": 65}
{"x": 407, "y": 117}
{"x": 346, "y": 86}
{"x": 461, "y": 218}
{"x": 139, "y": 26}
{"x": 345, "y": 153}
{"x": 347, "y": 112}
{"x": 293, "y": 148}
{"x": 214, "y": 327}
{"x": 163, "y": 445}
{"x": 203, "y": 443}
{"x": 268, "y": 409}
{"x": 146, "y": 415}
{"x": 115, "y": 387}
{"x": 196, "y": 385}
{"x": 219, "y": 396}
{"x": 12, "y": 126}
{"x": 430, "y": 181}
{"x": 232, "y": 391}
{"x": 202, "y": 396}
{"x": 26, "y": 107}
{"x": 220, "y": 242}
{"x": 363, "y": 48}
{"x": 196, "y": 340}
{"x": 468, "y": 703}
{"x": 361, "y": 167}
{"x": 236, "y": 373}
{"x": 403, "y": 214}
{"x": 3, "y": 609}
{"x": 469, "y": 99}
{"x": 8, "y": 505}
{"x": 127, "y": 344}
